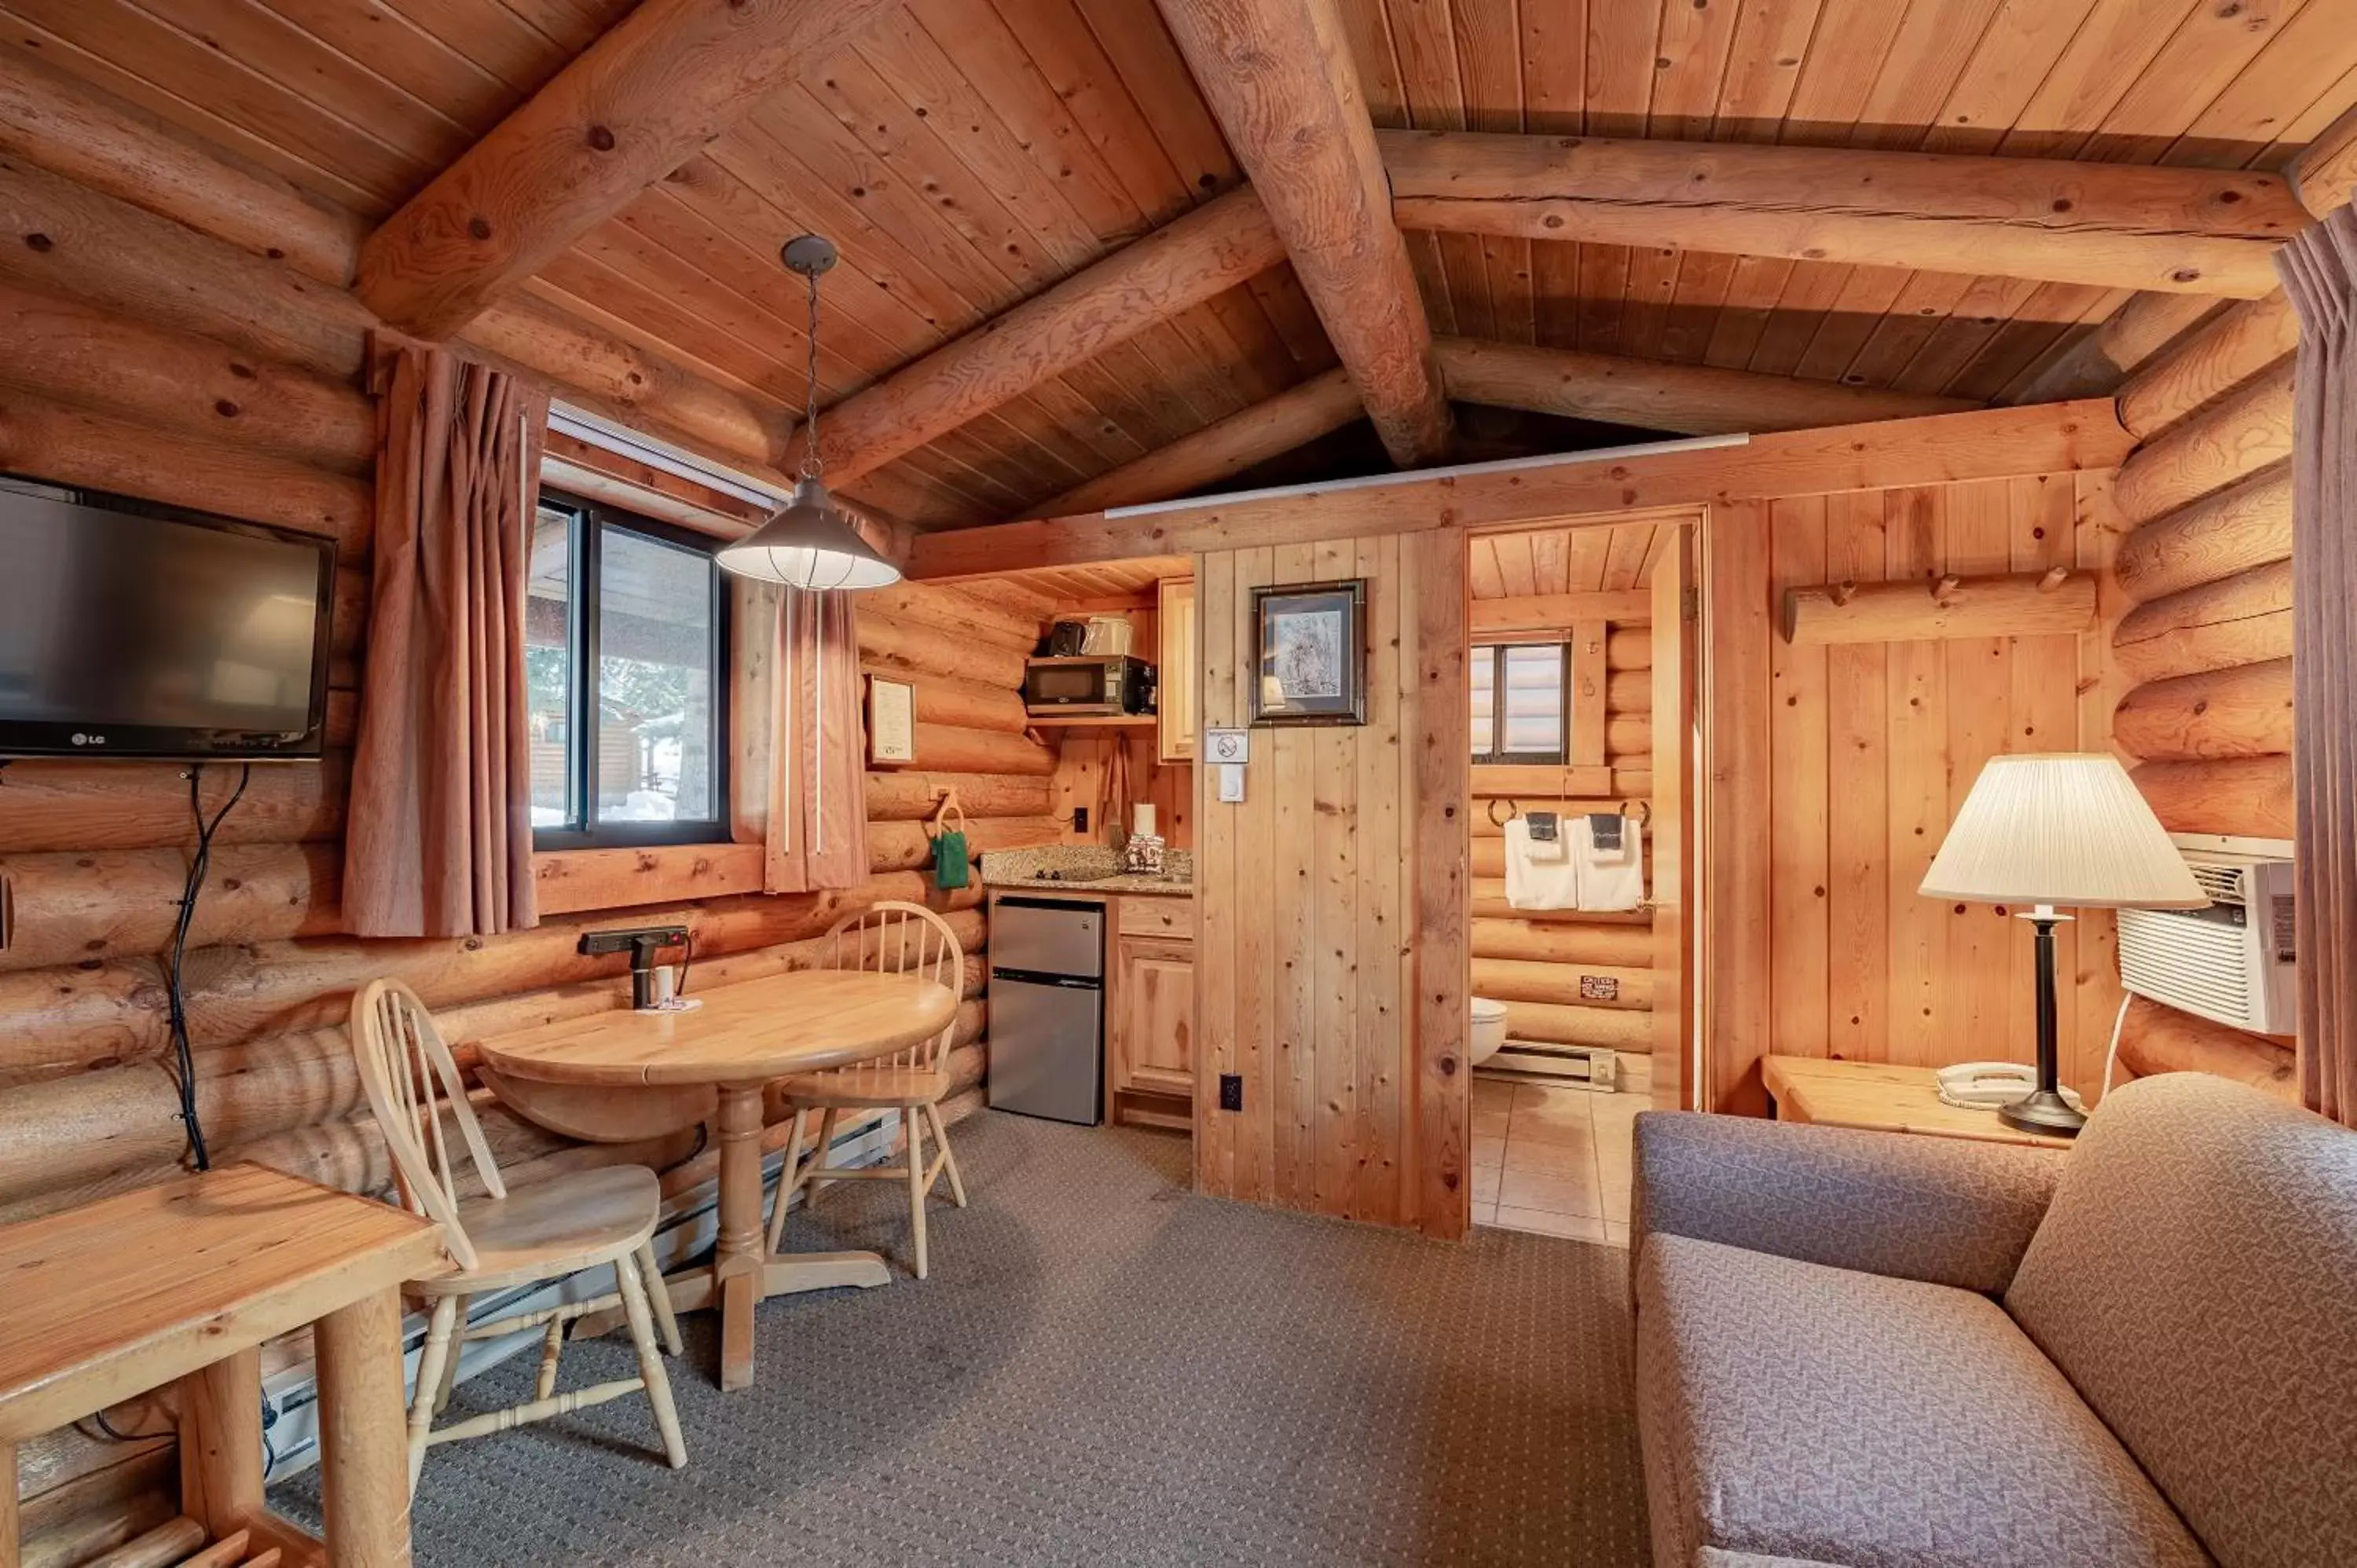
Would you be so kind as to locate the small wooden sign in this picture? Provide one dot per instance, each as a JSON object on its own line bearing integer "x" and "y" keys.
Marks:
{"x": 1599, "y": 988}
{"x": 891, "y": 721}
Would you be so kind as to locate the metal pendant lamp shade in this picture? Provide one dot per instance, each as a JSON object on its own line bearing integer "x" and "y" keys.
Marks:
{"x": 808, "y": 542}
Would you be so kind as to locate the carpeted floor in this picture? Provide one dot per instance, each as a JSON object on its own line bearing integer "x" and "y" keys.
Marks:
{"x": 1102, "y": 1370}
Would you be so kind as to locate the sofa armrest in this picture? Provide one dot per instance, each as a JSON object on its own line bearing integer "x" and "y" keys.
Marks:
{"x": 1949, "y": 1211}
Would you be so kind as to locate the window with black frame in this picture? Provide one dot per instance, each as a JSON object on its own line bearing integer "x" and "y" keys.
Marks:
{"x": 625, "y": 639}
{"x": 1521, "y": 702}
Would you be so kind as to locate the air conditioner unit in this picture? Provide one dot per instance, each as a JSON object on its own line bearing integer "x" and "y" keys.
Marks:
{"x": 2234, "y": 961}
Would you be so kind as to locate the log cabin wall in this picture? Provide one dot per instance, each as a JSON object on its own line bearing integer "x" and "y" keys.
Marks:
{"x": 2204, "y": 647}
{"x": 1584, "y": 586}
{"x": 1837, "y": 769}
{"x": 95, "y": 854}
{"x": 1331, "y": 966}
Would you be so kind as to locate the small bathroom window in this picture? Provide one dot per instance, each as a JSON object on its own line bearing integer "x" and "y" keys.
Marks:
{"x": 1521, "y": 702}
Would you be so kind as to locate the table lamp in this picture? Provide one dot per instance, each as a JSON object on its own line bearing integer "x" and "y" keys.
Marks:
{"x": 2049, "y": 829}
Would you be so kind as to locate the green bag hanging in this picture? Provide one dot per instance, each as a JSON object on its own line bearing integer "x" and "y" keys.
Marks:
{"x": 952, "y": 862}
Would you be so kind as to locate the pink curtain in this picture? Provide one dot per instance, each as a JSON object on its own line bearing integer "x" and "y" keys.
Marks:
{"x": 2319, "y": 273}
{"x": 439, "y": 838}
{"x": 817, "y": 833}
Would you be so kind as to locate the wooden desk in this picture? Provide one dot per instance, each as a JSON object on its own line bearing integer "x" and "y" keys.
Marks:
{"x": 744, "y": 1036}
{"x": 1882, "y": 1096}
{"x": 181, "y": 1285}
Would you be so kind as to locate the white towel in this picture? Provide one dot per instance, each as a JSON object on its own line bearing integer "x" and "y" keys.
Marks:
{"x": 1609, "y": 879}
{"x": 1539, "y": 876}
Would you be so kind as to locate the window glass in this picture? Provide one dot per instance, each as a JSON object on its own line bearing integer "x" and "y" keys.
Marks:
{"x": 1533, "y": 700}
{"x": 1485, "y": 688}
{"x": 548, "y": 669}
{"x": 655, "y": 646}
{"x": 1519, "y": 703}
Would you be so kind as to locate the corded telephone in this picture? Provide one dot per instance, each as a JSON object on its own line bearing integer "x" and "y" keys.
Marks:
{"x": 1985, "y": 1086}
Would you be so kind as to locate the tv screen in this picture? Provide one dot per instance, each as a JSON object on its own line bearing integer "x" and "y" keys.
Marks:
{"x": 131, "y": 629}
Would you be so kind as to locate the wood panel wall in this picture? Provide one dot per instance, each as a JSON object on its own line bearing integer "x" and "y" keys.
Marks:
{"x": 1331, "y": 963}
{"x": 1836, "y": 772}
{"x": 1107, "y": 771}
{"x": 95, "y": 854}
{"x": 2205, "y": 643}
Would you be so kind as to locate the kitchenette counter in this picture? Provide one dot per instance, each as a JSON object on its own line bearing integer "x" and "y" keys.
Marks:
{"x": 1085, "y": 870}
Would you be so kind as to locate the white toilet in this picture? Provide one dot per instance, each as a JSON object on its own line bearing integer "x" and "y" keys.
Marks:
{"x": 1488, "y": 1028}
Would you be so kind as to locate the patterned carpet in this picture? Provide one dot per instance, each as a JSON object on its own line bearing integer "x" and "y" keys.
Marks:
{"x": 1102, "y": 1370}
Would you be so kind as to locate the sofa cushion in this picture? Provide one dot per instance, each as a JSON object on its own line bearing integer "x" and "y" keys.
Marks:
{"x": 1790, "y": 1410}
{"x": 2196, "y": 1280}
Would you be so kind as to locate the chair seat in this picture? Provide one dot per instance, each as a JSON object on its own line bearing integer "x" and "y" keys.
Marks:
{"x": 1793, "y": 1412}
{"x": 856, "y": 1089}
{"x": 554, "y": 1227}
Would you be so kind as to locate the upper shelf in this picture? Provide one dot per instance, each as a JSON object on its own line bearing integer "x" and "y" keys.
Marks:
{"x": 1091, "y": 721}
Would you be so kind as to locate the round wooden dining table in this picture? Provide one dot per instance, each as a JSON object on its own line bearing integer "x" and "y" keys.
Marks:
{"x": 742, "y": 1037}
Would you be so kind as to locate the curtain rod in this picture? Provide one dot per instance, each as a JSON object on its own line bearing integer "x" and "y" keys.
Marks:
{"x": 623, "y": 442}
{"x": 1379, "y": 481}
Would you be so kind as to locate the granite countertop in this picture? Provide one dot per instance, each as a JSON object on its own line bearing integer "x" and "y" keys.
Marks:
{"x": 1087, "y": 869}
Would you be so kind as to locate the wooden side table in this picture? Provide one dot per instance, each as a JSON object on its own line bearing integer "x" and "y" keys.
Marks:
{"x": 181, "y": 1285}
{"x": 1882, "y": 1096}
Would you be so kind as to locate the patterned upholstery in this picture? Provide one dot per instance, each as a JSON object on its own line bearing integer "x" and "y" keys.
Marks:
{"x": 1789, "y": 1411}
{"x": 1944, "y": 1210}
{"x": 2196, "y": 1279}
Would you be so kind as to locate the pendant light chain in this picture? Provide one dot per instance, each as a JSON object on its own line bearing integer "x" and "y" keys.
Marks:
{"x": 813, "y": 465}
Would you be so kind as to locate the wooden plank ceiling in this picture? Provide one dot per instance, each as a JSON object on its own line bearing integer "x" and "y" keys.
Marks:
{"x": 1534, "y": 561}
{"x": 2200, "y": 84}
{"x": 967, "y": 154}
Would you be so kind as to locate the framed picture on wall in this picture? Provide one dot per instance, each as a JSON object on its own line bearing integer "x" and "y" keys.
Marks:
{"x": 891, "y": 721}
{"x": 1312, "y": 638}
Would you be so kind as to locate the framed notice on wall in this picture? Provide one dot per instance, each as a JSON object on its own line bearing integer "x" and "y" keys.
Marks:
{"x": 891, "y": 721}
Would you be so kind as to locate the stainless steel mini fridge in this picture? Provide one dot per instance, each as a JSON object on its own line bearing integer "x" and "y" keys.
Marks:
{"x": 1047, "y": 1007}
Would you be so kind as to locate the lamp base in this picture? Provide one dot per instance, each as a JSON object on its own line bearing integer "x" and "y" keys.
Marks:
{"x": 2045, "y": 1111}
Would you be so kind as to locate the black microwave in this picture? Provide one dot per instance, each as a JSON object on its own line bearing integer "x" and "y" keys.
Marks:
{"x": 1088, "y": 685}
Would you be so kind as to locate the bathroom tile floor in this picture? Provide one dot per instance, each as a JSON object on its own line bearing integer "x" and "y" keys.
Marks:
{"x": 1553, "y": 1159}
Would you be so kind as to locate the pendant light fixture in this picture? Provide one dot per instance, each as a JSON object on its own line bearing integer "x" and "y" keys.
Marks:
{"x": 808, "y": 542}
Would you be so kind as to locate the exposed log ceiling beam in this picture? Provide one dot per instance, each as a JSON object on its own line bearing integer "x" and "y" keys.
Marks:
{"x": 1213, "y": 249}
{"x": 2112, "y": 225}
{"x": 1692, "y": 400}
{"x": 1278, "y": 74}
{"x": 1278, "y": 424}
{"x": 1997, "y": 443}
{"x": 656, "y": 88}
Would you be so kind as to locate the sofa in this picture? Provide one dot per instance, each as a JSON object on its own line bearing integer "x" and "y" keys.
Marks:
{"x": 1897, "y": 1351}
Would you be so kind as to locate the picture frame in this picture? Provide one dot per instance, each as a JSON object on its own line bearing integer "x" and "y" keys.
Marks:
{"x": 891, "y": 721}
{"x": 1311, "y": 660}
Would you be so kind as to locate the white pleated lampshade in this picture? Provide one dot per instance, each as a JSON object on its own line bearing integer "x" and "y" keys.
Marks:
{"x": 2063, "y": 829}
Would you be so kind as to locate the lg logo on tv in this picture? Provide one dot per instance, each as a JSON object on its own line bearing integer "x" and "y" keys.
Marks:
{"x": 81, "y": 739}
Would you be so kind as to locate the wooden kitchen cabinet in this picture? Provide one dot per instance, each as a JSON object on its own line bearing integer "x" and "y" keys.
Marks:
{"x": 1175, "y": 704}
{"x": 1157, "y": 1016}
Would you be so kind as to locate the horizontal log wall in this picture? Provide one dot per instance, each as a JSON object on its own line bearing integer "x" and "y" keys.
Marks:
{"x": 1838, "y": 769}
{"x": 2206, "y": 504}
{"x": 1539, "y": 962}
{"x": 120, "y": 387}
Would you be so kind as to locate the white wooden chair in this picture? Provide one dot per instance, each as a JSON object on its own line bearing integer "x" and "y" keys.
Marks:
{"x": 546, "y": 1232}
{"x": 888, "y": 937}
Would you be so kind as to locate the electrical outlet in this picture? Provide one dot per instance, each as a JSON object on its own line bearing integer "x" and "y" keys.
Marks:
{"x": 1232, "y": 1091}
{"x": 1080, "y": 819}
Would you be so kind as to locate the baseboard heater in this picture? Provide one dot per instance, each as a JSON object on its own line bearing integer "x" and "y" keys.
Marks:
{"x": 1596, "y": 1066}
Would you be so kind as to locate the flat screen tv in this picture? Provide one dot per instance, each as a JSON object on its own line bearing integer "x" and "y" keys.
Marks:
{"x": 132, "y": 629}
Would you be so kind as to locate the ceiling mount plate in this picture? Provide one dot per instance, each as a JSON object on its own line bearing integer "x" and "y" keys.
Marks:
{"x": 809, "y": 254}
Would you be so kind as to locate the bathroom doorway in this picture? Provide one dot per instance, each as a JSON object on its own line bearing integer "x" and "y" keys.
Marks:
{"x": 1582, "y": 656}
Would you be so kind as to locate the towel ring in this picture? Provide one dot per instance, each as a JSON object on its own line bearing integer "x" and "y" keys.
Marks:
{"x": 941, "y": 815}
{"x": 1513, "y": 810}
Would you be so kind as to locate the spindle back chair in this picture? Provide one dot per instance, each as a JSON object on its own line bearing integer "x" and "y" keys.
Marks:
{"x": 544, "y": 1232}
{"x": 892, "y": 937}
